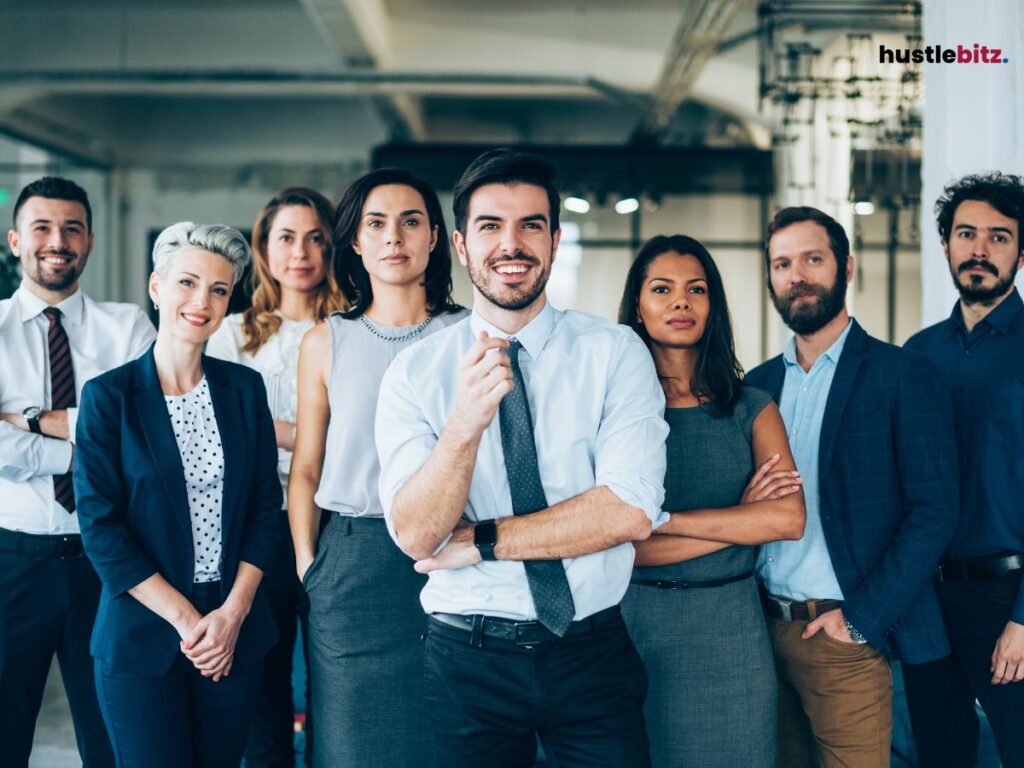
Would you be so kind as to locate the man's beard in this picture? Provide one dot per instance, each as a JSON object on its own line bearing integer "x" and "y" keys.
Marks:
{"x": 974, "y": 292}
{"x": 61, "y": 280}
{"x": 811, "y": 316}
{"x": 514, "y": 297}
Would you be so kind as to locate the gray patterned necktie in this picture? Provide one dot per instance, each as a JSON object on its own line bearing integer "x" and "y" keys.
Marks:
{"x": 548, "y": 583}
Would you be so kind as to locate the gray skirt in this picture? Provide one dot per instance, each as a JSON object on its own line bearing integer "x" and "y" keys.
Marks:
{"x": 713, "y": 693}
{"x": 365, "y": 650}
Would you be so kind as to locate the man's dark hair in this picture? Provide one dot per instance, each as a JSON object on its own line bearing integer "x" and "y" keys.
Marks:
{"x": 837, "y": 239}
{"x": 506, "y": 166}
{"x": 55, "y": 188}
{"x": 1002, "y": 191}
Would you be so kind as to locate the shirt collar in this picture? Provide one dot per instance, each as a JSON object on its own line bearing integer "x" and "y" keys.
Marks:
{"x": 533, "y": 336}
{"x": 72, "y": 309}
{"x": 1000, "y": 318}
{"x": 833, "y": 353}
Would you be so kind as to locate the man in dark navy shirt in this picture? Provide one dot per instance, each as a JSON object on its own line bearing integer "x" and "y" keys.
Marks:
{"x": 979, "y": 355}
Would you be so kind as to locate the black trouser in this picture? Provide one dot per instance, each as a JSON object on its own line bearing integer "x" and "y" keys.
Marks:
{"x": 582, "y": 694}
{"x": 975, "y": 614}
{"x": 271, "y": 740}
{"x": 47, "y": 606}
{"x": 180, "y": 719}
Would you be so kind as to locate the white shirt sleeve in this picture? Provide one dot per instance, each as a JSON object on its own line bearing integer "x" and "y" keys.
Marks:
{"x": 24, "y": 455}
{"x": 630, "y": 451}
{"x": 404, "y": 436}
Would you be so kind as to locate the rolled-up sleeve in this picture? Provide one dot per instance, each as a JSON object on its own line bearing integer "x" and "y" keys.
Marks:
{"x": 101, "y": 496}
{"x": 404, "y": 436}
{"x": 264, "y": 522}
{"x": 630, "y": 450}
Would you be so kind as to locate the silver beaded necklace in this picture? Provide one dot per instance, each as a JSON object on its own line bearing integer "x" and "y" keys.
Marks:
{"x": 411, "y": 334}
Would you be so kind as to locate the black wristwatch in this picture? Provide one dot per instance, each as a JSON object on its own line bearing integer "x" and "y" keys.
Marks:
{"x": 485, "y": 536}
{"x": 32, "y": 414}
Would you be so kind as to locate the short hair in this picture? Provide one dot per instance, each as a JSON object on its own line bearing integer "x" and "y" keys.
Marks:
{"x": 506, "y": 166}
{"x": 1002, "y": 191}
{"x": 54, "y": 188}
{"x": 838, "y": 242}
{"x": 216, "y": 238}
{"x": 352, "y": 276}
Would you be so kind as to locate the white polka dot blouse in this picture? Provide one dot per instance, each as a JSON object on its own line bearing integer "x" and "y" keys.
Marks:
{"x": 202, "y": 456}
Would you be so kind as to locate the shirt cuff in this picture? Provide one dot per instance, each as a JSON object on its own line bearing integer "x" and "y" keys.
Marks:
{"x": 72, "y": 423}
{"x": 55, "y": 456}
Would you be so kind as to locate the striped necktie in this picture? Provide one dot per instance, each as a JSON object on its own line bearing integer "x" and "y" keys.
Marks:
{"x": 62, "y": 394}
{"x": 548, "y": 583}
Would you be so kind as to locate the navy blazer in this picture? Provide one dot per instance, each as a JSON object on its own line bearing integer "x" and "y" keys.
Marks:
{"x": 887, "y": 488}
{"x": 133, "y": 505}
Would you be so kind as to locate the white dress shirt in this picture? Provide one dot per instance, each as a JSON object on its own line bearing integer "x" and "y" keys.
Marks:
{"x": 278, "y": 363}
{"x": 598, "y": 414}
{"x": 102, "y": 335}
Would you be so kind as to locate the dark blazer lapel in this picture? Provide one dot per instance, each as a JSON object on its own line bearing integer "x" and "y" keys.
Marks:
{"x": 839, "y": 394}
{"x": 156, "y": 426}
{"x": 228, "y": 410}
{"x": 776, "y": 378}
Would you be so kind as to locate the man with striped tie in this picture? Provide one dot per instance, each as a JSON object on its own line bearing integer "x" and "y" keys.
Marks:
{"x": 53, "y": 338}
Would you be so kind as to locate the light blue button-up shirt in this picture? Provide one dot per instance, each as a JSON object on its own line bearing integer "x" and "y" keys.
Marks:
{"x": 802, "y": 570}
{"x": 598, "y": 415}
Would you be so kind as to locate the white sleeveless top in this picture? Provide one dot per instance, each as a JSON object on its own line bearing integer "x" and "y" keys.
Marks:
{"x": 361, "y": 352}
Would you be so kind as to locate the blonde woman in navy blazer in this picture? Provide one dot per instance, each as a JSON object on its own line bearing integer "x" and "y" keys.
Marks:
{"x": 175, "y": 472}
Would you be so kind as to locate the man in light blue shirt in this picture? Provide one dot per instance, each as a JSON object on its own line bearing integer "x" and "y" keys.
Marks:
{"x": 524, "y": 522}
{"x": 802, "y": 569}
{"x": 872, "y": 437}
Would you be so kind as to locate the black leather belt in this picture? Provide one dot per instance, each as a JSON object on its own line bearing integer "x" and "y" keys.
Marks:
{"x": 704, "y": 584}
{"x": 979, "y": 568}
{"x": 784, "y": 609}
{"x": 523, "y": 632}
{"x": 41, "y": 545}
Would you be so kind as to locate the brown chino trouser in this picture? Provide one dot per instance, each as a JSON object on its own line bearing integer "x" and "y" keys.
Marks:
{"x": 835, "y": 700}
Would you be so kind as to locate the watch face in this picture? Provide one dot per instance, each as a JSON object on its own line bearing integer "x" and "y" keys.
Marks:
{"x": 32, "y": 412}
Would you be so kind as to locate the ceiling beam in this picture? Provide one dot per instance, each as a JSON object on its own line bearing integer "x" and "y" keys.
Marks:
{"x": 360, "y": 33}
{"x": 277, "y": 84}
{"x": 47, "y": 133}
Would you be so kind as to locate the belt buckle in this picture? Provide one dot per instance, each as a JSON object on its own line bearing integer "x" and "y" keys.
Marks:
{"x": 785, "y": 605}
{"x": 519, "y": 641}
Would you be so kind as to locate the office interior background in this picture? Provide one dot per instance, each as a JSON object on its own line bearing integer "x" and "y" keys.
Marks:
{"x": 694, "y": 116}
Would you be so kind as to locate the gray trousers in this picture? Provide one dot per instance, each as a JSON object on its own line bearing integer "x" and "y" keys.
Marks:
{"x": 366, "y": 630}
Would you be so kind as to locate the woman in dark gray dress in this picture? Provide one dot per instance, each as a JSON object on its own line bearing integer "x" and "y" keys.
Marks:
{"x": 693, "y": 607}
{"x": 365, "y": 619}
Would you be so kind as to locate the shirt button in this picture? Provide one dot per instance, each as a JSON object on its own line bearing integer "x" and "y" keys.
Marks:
{"x": 771, "y": 559}
{"x": 795, "y": 432}
{"x": 803, "y": 389}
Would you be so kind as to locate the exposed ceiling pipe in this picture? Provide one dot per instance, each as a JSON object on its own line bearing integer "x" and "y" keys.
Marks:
{"x": 696, "y": 40}
{"x": 278, "y": 84}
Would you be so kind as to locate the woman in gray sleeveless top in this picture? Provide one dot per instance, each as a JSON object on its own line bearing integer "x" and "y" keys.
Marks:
{"x": 693, "y": 607}
{"x": 365, "y": 620}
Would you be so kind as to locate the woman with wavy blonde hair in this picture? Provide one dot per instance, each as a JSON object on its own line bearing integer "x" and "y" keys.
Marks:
{"x": 294, "y": 288}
